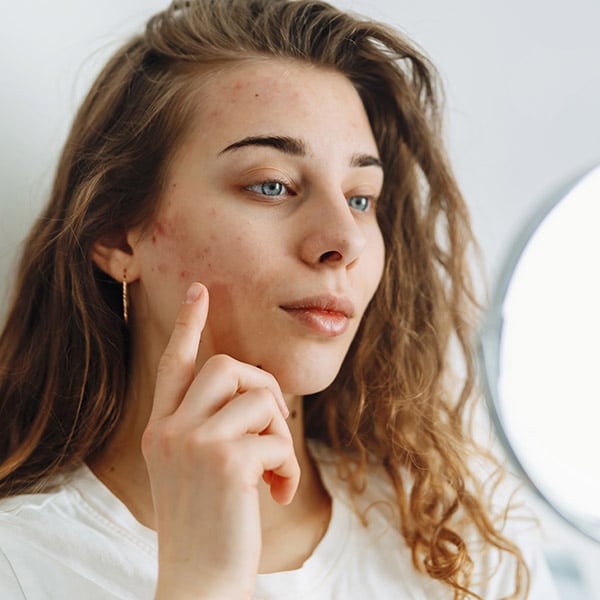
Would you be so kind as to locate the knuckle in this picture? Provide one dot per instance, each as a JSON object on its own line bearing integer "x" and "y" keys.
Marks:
{"x": 170, "y": 434}
{"x": 265, "y": 396}
{"x": 180, "y": 323}
{"x": 272, "y": 381}
{"x": 274, "y": 388}
{"x": 170, "y": 361}
{"x": 160, "y": 439}
{"x": 226, "y": 460}
{"x": 148, "y": 440}
{"x": 221, "y": 363}
{"x": 267, "y": 399}
{"x": 167, "y": 361}
{"x": 288, "y": 445}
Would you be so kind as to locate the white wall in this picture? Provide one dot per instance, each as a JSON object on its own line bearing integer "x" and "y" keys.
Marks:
{"x": 523, "y": 97}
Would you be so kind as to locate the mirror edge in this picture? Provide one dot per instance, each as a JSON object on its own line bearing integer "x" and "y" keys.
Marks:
{"x": 489, "y": 337}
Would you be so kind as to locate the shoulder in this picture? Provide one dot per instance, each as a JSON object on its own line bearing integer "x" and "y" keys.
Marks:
{"x": 30, "y": 521}
{"x": 27, "y": 524}
{"x": 376, "y": 560}
{"x": 9, "y": 582}
{"x": 514, "y": 516}
{"x": 494, "y": 570}
{"x": 25, "y": 513}
{"x": 52, "y": 543}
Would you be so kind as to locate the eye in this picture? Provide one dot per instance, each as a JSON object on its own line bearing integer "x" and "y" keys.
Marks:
{"x": 268, "y": 188}
{"x": 361, "y": 203}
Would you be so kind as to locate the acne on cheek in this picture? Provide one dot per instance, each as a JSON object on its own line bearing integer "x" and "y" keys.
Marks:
{"x": 181, "y": 256}
{"x": 164, "y": 229}
{"x": 169, "y": 238}
{"x": 164, "y": 239}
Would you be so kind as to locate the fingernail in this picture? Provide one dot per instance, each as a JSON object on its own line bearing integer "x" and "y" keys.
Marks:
{"x": 194, "y": 292}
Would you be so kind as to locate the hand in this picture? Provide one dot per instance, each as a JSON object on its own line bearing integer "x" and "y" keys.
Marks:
{"x": 210, "y": 438}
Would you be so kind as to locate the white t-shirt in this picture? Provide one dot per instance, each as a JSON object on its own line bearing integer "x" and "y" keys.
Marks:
{"x": 81, "y": 542}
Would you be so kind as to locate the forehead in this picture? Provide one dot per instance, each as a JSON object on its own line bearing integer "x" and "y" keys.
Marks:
{"x": 267, "y": 79}
{"x": 261, "y": 94}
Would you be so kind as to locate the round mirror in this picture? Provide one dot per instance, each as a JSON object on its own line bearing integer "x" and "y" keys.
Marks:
{"x": 540, "y": 351}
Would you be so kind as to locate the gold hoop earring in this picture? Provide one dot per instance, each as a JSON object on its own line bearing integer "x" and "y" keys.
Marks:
{"x": 124, "y": 294}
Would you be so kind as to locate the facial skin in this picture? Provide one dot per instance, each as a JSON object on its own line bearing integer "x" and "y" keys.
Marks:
{"x": 270, "y": 200}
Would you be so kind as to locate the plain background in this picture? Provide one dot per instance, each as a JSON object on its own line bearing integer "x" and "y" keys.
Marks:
{"x": 522, "y": 81}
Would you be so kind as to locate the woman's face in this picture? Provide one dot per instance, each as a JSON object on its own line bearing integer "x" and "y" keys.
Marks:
{"x": 271, "y": 204}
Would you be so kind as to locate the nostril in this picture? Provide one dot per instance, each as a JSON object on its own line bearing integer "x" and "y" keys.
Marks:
{"x": 332, "y": 255}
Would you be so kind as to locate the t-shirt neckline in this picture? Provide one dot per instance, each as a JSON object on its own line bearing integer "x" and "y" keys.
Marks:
{"x": 97, "y": 497}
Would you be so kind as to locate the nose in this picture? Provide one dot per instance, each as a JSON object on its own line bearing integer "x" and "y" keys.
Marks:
{"x": 331, "y": 234}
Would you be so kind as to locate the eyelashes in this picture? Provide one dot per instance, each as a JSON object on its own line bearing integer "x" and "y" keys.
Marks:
{"x": 276, "y": 189}
{"x": 360, "y": 203}
{"x": 272, "y": 189}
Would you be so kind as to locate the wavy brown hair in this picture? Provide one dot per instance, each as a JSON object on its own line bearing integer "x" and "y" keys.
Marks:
{"x": 64, "y": 348}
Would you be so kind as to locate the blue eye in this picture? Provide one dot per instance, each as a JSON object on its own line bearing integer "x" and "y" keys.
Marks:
{"x": 268, "y": 188}
{"x": 361, "y": 203}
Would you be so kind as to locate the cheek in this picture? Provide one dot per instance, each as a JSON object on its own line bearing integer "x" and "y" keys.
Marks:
{"x": 206, "y": 252}
{"x": 376, "y": 259}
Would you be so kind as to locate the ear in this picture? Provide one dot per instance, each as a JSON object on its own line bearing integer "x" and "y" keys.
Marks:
{"x": 115, "y": 254}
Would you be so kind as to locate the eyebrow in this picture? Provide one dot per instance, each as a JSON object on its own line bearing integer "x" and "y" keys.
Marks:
{"x": 285, "y": 144}
{"x": 296, "y": 147}
{"x": 365, "y": 160}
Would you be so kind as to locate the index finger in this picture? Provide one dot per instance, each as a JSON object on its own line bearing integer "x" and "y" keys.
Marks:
{"x": 177, "y": 364}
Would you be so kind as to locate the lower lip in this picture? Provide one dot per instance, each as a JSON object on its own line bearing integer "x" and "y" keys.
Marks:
{"x": 321, "y": 321}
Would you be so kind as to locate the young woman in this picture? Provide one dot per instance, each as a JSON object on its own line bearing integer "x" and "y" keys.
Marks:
{"x": 226, "y": 370}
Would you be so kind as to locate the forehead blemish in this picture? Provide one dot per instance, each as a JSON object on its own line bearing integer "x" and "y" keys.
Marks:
{"x": 163, "y": 268}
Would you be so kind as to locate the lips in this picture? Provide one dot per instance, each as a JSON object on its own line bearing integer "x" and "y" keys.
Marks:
{"x": 325, "y": 314}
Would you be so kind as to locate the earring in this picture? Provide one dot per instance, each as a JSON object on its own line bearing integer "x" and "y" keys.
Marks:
{"x": 124, "y": 294}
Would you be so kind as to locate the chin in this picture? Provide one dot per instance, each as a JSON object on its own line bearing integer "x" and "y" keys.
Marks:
{"x": 300, "y": 379}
